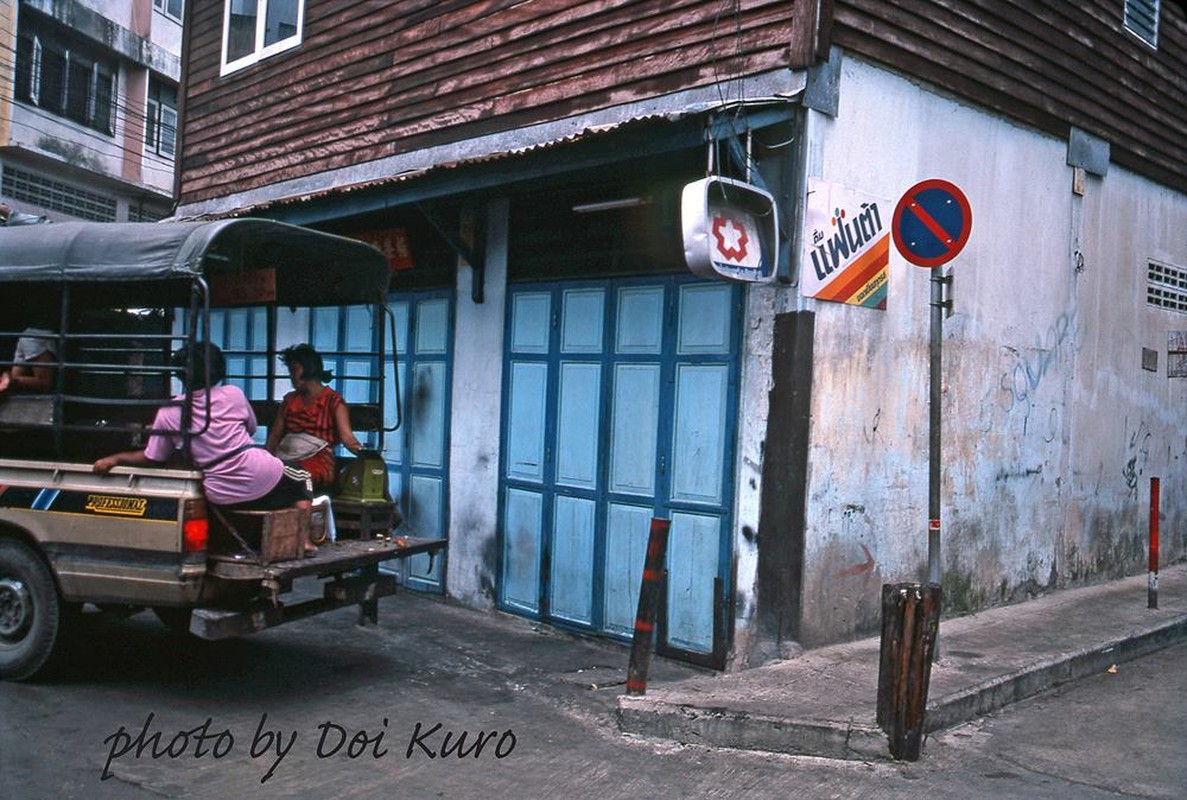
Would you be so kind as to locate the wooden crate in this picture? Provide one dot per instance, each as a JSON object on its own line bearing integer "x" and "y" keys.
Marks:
{"x": 364, "y": 520}
{"x": 275, "y": 535}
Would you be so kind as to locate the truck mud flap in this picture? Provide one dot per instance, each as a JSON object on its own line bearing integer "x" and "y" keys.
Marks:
{"x": 361, "y": 590}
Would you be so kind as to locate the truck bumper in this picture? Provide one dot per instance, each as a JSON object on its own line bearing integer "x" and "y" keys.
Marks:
{"x": 362, "y": 590}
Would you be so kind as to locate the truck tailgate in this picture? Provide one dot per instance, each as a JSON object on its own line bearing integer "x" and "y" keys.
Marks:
{"x": 349, "y": 567}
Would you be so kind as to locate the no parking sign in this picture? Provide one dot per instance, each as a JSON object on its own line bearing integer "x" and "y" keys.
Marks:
{"x": 932, "y": 223}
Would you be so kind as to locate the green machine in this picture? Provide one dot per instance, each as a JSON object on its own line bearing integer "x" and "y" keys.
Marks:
{"x": 364, "y": 479}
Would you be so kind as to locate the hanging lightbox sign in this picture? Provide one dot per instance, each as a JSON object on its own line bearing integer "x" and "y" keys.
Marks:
{"x": 730, "y": 230}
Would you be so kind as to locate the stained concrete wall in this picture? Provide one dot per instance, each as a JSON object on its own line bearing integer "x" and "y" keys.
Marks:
{"x": 476, "y": 419}
{"x": 1051, "y": 427}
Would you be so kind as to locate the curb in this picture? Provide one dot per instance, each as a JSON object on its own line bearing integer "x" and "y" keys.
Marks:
{"x": 996, "y": 693}
{"x": 861, "y": 739}
{"x": 721, "y": 727}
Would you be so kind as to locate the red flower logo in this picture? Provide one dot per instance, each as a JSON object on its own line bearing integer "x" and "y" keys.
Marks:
{"x": 731, "y": 238}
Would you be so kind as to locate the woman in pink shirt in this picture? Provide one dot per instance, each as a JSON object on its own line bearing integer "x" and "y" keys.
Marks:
{"x": 236, "y": 473}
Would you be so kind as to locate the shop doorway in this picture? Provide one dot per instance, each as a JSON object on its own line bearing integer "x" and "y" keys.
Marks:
{"x": 621, "y": 404}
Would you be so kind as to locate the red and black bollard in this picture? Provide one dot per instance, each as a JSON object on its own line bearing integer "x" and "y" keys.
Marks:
{"x": 649, "y": 596}
{"x": 1152, "y": 582}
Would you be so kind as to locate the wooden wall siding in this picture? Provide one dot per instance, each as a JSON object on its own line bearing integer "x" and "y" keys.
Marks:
{"x": 1045, "y": 63}
{"x": 374, "y": 79}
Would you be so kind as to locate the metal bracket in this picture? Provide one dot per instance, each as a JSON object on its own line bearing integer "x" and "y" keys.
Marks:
{"x": 945, "y": 281}
{"x": 474, "y": 254}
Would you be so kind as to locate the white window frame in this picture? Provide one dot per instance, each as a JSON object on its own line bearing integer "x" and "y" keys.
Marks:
{"x": 164, "y": 119}
{"x": 167, "y": 144}
{"x": 93, "y": 95}
{"x": 163, "y": 7}
{"x": 261, "y": 51}
{"x": 35, "y": 72}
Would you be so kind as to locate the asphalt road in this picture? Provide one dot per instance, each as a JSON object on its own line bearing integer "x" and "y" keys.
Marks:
{"x": 323, "y": 708}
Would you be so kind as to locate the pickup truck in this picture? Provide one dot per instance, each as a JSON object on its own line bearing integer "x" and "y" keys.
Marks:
{"x": 125, "y": 295}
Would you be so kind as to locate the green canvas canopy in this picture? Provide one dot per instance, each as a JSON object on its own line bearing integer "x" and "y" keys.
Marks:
{"x": 307, "y": 267}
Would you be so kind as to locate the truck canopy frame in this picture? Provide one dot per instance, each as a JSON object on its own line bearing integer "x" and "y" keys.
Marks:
{"x": 58, "y": 272}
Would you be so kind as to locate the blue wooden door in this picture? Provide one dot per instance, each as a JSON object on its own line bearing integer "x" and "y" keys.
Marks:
{"x": 621, "y": 405}
{"x": 417, "y": 453}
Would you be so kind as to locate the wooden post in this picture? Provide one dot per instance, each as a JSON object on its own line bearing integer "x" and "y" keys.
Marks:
{"x": 910, "y": 620}
{"x": 649, "y": 596}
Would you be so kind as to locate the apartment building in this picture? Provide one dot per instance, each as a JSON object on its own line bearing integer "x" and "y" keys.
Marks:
{"x": 88, "y": 107}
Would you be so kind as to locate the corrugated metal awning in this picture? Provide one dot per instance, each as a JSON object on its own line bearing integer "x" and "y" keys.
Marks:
{"x": 443, "y": 170}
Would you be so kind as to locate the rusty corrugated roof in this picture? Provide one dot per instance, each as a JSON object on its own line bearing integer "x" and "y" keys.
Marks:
{"x": 585, "y": 134}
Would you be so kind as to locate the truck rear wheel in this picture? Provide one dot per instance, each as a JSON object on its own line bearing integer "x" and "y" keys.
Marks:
{"x": 30, "y": 611}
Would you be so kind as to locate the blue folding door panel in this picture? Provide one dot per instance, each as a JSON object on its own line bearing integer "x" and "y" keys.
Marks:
{"x": 579, "y": 379}
{"x": 699, "y": 468}
{"x": 417, "y": 453}
{"x": 621, "y": 406}
{"x": 242, "y": 333}
{"x": 524, "y": 455}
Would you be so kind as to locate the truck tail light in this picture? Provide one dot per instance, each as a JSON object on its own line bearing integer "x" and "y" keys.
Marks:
{"x": 194, "y": 529}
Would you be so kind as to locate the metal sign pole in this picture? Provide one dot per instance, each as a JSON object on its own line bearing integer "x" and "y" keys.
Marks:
{"x": 933, "y": 477}
{"x": 934, "y": 572}
{"x": 932, "y": 224}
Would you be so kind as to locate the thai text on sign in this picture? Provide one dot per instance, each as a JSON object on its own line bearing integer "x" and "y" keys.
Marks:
{"x": 846, "y": 256}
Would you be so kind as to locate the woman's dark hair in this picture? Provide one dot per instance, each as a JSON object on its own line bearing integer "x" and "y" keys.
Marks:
{"x": 218, "y": 365}
{"x": 312, "y": 367}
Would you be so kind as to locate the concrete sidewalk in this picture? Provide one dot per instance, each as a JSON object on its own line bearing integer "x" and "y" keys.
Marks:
{"x": 823, "y": 702}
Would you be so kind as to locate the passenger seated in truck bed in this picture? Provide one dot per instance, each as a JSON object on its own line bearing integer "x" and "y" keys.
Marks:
{"x": 236, "y": 474}
{"x": 312, "y": 419}
{"x": 36, "y": 351}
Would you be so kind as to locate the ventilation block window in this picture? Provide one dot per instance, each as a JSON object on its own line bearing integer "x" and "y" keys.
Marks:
{"x": 1141, "y": 19}
{"x": 41, "y": 191}
{"x": 1166, "y": 287}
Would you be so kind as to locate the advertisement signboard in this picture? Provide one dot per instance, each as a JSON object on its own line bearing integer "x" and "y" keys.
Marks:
{"x": 846, "y": 246}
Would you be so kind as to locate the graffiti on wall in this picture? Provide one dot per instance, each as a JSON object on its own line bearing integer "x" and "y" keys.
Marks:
{"x": 1137, "y": 454}
{"x": 1020, "y": 383}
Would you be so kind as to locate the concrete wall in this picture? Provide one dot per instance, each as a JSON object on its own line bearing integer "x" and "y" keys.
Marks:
{"x": 1051, "y": 428}
{"x": 7, "y": 64}
{"x": 476, "y": 419}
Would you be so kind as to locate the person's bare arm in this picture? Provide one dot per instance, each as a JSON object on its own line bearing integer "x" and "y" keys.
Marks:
{"x": 345, "y": 432}
{"x": 36, "y": 376}
{"x": 128, "y": 458}
{"x": 275, "y": 431}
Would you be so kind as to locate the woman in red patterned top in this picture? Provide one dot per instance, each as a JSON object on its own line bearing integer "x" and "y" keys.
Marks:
{"x": 312, "y": 418}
